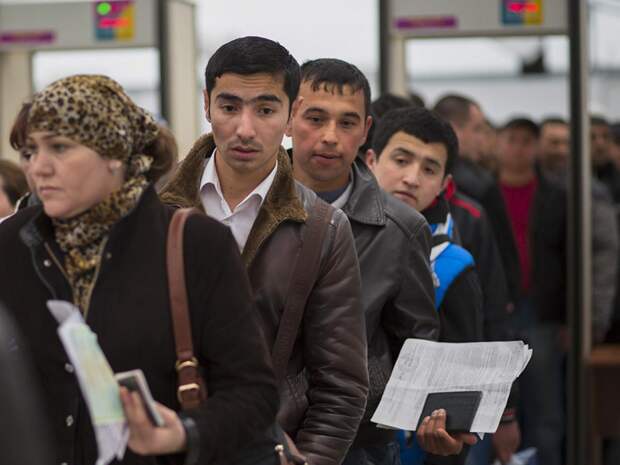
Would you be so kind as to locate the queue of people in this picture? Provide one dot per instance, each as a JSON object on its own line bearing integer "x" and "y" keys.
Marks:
{"x": 305, "y": 269}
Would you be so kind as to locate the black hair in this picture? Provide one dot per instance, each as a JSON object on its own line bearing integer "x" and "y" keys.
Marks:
{"x": 417, "y": 100}
{"x": 379, "y": 107}
{"x": 418, "y": 122}
{"x": 387, "y": 102}
{"x": 523, "y": 123}
{"x": 553, "y": 120}
{"x": 332, "y": 72}
{"x": 253, "y": 55}
{"x": 454, "y": 108}
{"x": 598, "y": 120}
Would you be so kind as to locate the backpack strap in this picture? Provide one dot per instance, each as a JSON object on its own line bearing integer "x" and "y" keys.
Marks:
{"x": 191, "y": 387}
{"x": 302, "y": 282}
{"x": 448, "y": 261}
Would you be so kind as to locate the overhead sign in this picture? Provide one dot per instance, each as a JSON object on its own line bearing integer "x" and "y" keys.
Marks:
{"x": 27, "y": 37}
{"x": 464, "y": 18}
{"x": 78, "y": 24}
{"x": 114, "y": 20}
{"x": 522, "y": 12}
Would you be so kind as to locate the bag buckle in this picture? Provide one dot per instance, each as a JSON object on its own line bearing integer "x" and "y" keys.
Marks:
{"x": 192, "y": 363}
{"x": 186, "y": 388}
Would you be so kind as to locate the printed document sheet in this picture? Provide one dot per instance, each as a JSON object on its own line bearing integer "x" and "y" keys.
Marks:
{"x": 424, "y": 367}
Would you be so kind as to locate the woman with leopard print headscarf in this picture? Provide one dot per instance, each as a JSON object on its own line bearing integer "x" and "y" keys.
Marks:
{"x": 98, "y": 239}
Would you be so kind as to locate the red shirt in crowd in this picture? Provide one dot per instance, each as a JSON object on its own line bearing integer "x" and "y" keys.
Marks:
{"x": 518, "y": 204}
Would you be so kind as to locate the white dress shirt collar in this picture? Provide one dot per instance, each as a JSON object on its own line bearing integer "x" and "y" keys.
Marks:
{"x": 344, "y": 197}
{"x": 242, "y": 217}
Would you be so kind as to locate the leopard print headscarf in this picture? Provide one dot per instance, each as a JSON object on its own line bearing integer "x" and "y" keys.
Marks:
{"x": 96, "y": 112}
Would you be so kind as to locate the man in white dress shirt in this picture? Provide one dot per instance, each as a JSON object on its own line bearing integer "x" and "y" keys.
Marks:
{"x": 241, "y": 176}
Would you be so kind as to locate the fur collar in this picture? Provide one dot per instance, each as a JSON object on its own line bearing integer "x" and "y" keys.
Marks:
{"x": 281, "y": 204}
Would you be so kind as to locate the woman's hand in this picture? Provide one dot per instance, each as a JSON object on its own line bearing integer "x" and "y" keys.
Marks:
{"x": 146, "y": 438}
{"x": 433, "y": 437}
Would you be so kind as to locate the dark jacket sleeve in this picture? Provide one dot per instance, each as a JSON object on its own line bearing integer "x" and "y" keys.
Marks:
{"x": 492, "y": 281}
{"x": 335, "y": 352}
{"x": 495, "y": 310}
{"x": 243, "y": 397}
{"x": 412, "y": 313}
{"x": 461, "y": 310}
{"x": 493, "y": 202}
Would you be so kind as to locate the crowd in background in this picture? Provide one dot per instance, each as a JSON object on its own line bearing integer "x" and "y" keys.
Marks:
{"x": 506, "y": 192}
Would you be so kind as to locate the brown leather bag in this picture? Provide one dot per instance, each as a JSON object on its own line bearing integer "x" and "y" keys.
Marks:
{"x": 192, "y": 390}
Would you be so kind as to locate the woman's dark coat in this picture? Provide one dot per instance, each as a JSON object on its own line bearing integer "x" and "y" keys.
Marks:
{"x": 130, "y": 314}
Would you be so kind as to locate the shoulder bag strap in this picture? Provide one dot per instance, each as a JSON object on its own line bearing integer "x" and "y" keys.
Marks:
{"x": 191, "y": 388}
{"x": 302, "y": 282}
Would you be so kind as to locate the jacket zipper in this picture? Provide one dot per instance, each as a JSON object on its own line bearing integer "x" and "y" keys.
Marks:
{"x": 35, "y": 264}
{"x": 55, "y": 260}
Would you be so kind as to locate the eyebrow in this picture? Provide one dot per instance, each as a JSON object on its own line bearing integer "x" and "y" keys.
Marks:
{"x": 409, "y": 153}
{"x": 349, "y": 114}
{"x": 48, "y": 136}
{"x": 432, "y": 162}
{"x": 260, "y": 98}
{"x": 404, "y": 151}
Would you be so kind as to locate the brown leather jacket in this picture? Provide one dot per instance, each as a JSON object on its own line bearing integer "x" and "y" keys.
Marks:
{"x": 324, "y": 395}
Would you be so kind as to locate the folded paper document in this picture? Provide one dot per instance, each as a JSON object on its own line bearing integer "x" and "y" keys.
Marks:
{"x": 96, "y": 380}
{"x": 426, "y": 367}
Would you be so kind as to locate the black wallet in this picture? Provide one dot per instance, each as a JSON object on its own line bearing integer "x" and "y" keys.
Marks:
{"x": 460, "y": 407}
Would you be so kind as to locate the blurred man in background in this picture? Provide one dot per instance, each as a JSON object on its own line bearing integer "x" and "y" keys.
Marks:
{"x": 603, "y": 165}
{"x": 13, "y": 186}
{"x": 468, "y": 121}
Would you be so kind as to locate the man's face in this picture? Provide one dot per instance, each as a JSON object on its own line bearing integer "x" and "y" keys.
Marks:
{"x": 327, "y": 128}
{"x": 410, "y": 169}
{"x": 517, "y": 150}
{"x": 471, "y": 134}
{"x": 554, "y": 146}
{"x": 600, "y": 140}
{"x": 248, "y": 115}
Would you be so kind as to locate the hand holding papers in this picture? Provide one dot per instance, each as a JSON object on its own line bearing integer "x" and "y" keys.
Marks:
{"x": 425, "y": 367}
{"x": 154, "y": 429}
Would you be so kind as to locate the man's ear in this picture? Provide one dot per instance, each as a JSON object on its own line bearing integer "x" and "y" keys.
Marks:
{"x": 294, "y": 110}
{"x": 371, "y": 159}
{"x": 206, "y": 105}
{"x": 446, "y": 181}
{"x": 368, "y": 124}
